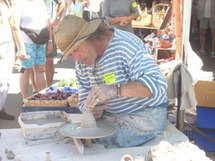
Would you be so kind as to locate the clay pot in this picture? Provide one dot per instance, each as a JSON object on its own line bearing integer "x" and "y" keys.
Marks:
{"x": 10, "y": 155}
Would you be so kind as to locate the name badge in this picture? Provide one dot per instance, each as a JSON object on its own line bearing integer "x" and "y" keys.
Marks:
{"x": 109, "y": 78}
{"x": 134, "y": 4}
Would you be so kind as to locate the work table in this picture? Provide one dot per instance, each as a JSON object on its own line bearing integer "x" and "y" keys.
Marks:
{"x": 65, "y": 150}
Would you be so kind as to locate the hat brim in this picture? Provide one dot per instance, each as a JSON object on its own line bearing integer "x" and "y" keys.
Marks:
{"x": 89, "y": 30}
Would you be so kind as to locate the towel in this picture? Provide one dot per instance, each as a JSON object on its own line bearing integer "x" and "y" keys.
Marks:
{"x": 187, "y": 93}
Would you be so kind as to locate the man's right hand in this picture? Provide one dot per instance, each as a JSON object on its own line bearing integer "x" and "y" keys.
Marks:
{"x": 98, "y": 110}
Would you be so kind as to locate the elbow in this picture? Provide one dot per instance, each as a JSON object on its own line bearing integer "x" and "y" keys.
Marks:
{"x": 136, "y": 16}
{"x": 16, "y": 28}
{"x": 159, "y": 93}
{"x": 148, "y": 92}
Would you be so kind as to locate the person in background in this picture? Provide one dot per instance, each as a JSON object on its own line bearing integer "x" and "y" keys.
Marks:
{"x": 79, "y": 7}
{"x": 51, "y": 51}
{"x": 55, "y": 14}
{"x": 206, "y": 16}
{"x": 92, "y": 10}
{"x": 194, "y": 27}
{"x": 69, "y": 5}
{"x": 119, "y": 80}
{"x": 30, "y": 18}
{"x": 9, "y": 31}
{"x": 119, "y": 13}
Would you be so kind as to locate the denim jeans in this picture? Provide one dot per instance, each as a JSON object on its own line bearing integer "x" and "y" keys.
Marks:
{"x": 134, "y": 129}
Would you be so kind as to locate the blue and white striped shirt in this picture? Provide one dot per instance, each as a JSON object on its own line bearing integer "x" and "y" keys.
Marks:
{"x": 125, "y": 60}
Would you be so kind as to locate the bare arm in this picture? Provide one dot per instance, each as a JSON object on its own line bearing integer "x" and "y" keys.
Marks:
{"x": 60, "y": 8}
{"x": 18, "y": 39}
{"x": 59, "y": 12}
{"x": 135, "y": 89}
{"x": 122, "y": 20}
{"x": 49, "y": 48}
{"x": 16, "y": 18}
{"x": 101, "y": 94}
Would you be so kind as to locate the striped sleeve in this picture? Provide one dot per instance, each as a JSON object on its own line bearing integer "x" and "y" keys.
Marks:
{"x": 145, "y": 70}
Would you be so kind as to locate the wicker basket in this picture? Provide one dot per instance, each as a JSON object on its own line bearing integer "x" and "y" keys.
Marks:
{"x": 158, "y": 12}
{"x": 53, "y": 103}
{"x": 144, "y": 19}
{"x": 73, "y": 102}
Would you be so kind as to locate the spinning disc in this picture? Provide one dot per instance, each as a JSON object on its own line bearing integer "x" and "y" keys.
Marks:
{"x": 88, "y": 128}
{"x": 77, "y": 131}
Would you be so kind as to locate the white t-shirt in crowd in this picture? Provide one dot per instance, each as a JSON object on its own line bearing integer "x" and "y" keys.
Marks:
{"x": 94, "y": 6}
{"x": 34, "y": 16}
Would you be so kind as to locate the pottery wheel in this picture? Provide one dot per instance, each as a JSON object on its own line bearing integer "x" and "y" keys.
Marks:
{"x": 76, "y": 131}
{"x": 88, "y": 128}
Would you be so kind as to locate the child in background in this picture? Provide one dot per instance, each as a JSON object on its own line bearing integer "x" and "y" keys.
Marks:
{"x": 79, "y": 7}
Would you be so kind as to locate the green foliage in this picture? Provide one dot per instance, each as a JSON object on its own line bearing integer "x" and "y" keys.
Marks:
{"x": 67, "y": 83}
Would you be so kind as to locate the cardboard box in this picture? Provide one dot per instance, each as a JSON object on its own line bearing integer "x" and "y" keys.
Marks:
{"x": 205, "y": 93}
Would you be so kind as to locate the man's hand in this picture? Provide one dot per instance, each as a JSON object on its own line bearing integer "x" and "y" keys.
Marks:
{"x": 124, "y": 21}
{"x": 105, "y": 91}
{"x": 98, "y": 110}
{"x": 100, "y": 94}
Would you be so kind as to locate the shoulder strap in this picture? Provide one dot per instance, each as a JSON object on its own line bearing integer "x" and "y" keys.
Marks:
{"x": 8, "y": 3}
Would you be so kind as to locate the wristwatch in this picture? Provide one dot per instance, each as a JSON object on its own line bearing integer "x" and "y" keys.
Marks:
{"x": 58, "y": 18}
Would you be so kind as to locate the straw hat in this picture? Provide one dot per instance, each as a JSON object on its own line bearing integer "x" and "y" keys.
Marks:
{"x": 71, "y": 31}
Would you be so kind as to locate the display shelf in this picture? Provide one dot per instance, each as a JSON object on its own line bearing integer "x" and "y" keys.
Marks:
{"x": 145, "y": 27}
{"x": 164, "y": 53}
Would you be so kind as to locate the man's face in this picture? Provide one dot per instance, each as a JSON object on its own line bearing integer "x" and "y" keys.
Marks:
{"x": 84, "y": 53}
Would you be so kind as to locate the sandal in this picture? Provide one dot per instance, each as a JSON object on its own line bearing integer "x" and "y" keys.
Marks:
{"x": 201, "y": 52}
{"x": 213, "y": 55}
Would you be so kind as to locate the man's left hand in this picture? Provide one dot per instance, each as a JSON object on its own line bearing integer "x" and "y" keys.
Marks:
{"x": 100, "y": 94}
